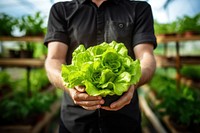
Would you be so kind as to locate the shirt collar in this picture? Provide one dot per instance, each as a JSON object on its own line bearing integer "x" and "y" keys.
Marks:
{"x": 115, "y": 1}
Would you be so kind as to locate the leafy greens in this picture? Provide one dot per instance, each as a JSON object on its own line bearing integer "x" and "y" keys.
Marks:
{"x": 104, "y": 69}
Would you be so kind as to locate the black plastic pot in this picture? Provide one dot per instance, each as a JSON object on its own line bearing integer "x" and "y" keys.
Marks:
{"x": 110, "y": 99}
{"x": 26, "y": 54}
{"x": 14, "y": 53}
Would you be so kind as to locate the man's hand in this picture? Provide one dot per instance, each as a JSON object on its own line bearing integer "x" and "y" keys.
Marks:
{"x": 80, "y": 97}
{"x": 124, "y": 100}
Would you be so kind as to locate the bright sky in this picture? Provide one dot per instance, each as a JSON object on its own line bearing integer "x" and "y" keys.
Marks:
{"x": 177, "y": 8}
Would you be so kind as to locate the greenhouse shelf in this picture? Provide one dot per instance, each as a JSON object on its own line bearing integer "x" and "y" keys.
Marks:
{"x": 21, "y": 62}
{"x": 163, "y": 61}
{"x": 178, "y": 60}
{"x": 151, "y": 116}
{"x": 25, "y": 38}
{"x": 26, "y": 63}
{"x": 166, "y": 39}
{"x": 149, "y": 95}
{"x": 33, "y": 128}
{"x": 164, "y": 120}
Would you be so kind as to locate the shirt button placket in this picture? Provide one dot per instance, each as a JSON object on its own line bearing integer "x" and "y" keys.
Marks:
{"x": 100, "y": 39}
{"x": 100, "y": 26}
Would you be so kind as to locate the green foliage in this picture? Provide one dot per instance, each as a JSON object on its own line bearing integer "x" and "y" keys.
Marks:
{"x": 161, "y": 83}
{"x": 38, "y": 79}
{"x": 182, "y": 105}
{"x": 32, "y": 24}
{"x": 38, "y": 50}
{"x": 20, "y": 107}
{"x": 6, "y": 24}
{"x": 188, "y": 23}
{"x": 104, "y": 69}
{"x": 6, "y": 82}
{"x": 192, "y": 72}
{"x": 4, "y": 78}
{"x": 181, "y": 25}
{"x": 165, "y": 28}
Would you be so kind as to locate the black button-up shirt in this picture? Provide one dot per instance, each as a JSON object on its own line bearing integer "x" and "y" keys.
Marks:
{"x": 82, "y": 22}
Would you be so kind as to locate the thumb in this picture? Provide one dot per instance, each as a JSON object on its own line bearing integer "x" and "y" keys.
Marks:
{"x": 80, "y": 88}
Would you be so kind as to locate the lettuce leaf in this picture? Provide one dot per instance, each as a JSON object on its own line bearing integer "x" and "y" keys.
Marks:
{"x": 104, "y": 69}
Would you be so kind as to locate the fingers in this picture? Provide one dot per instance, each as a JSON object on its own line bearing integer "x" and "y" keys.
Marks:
{"x": 90, "y": 105}
{"x": 94, "y": 102}
{"x": 80, "y": 88}
{"x": 124, "y": 100}
{"x": 86, "y": 101}
{"x": 85, "y": 97}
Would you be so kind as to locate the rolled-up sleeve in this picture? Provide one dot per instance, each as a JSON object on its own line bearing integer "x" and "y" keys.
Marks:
{"x": 57, "y": 25}
{"x": 144, "y": 28}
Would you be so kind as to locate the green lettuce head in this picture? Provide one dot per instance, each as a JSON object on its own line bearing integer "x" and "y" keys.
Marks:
{"x": 104, "y": 69}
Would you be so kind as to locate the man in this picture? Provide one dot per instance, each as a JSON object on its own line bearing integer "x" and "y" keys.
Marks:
{"x": 91, "y": 22}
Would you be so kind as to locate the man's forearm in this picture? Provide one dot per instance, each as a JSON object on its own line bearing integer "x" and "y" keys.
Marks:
{"x": 148, "y": 66}
{"x": 53, "y": 69}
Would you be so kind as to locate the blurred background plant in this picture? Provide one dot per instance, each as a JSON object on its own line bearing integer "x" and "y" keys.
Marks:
{"x": 7, "y": 23}
{"x": 32, "y": 25}
{"x": 181, "y": 25}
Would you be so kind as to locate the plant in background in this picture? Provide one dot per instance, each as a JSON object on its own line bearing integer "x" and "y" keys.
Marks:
{"x": 32, "y": 24}
{"x": 32, "y": 50}
{"x": 172, "y": 28}
{"x": 186, "y": 24}
{"x": 182, "y": 106}
{"x": 189, "y": 24}
{"x": 165, "y": 28}
{"x": 160, "y": 83}
{"x": 160, "y": 29}
{"x": 38, "y": 80}
{"x": 26, "y": 49}
{"x": 21, "y": 109}
{"x": 4, "y": 78}
{"x": 40, "y": 51}
{"x": 5, "y": 86}
{"x": 6, "y": 24}
{"x": 178, "y": 104}
{"x": 192, "y": 72}
{"x": 196, "y": 112}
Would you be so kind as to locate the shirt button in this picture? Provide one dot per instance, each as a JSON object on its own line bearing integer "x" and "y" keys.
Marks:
{"x": 121, "y": 25}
